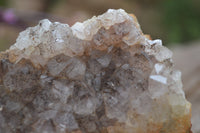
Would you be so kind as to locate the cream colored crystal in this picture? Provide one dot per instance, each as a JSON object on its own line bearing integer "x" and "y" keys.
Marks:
{"x": 100, "y": 76}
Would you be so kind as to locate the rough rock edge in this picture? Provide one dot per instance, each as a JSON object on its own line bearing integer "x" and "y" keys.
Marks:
{"x": 82, "y": 33}
{"x": 17, "y": 49}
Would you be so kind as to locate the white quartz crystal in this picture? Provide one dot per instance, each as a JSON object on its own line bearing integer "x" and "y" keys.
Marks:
{"x": 159, "y": 78}
{"x": 100, "y": 76}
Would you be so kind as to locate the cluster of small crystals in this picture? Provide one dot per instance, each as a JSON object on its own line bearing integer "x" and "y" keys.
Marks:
{"x": 99, "y": 76}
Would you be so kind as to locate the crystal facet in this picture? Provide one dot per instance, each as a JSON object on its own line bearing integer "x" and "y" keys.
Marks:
{"x": 100, "y": 76}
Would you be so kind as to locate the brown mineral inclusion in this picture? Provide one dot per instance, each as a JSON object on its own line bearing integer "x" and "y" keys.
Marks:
{"x": 100, "y": 76}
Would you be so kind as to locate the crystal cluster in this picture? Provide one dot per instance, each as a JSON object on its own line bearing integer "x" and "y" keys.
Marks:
{"x": 100, "y": 76}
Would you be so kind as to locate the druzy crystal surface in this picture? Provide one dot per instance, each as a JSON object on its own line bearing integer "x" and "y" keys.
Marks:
{"x": 100, "y": 76}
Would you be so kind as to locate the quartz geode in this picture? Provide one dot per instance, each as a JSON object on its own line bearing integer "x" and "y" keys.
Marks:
{"x": 100, "y": 76}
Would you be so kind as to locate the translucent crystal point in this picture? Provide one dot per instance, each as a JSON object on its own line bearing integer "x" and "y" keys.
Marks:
{"x": 100, "y": 76}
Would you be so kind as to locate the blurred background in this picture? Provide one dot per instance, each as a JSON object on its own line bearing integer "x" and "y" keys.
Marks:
{"x": 176, "y": 22}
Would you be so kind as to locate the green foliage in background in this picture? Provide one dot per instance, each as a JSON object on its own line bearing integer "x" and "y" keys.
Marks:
{"x": 3, "y": 2}
{"x": 181, "y": 20}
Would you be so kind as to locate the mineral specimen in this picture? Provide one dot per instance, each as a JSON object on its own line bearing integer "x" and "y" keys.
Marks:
{"x": 100, "y": 76}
